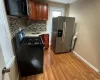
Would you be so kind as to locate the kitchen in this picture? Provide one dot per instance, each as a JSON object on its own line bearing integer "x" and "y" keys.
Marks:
{"x": 31, "y": 19}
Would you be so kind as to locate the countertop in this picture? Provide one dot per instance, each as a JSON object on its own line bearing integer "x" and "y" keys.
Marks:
{"x": 35, "y": 34}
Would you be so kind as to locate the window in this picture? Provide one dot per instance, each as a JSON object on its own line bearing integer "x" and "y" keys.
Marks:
{"x": 56, "y": 13}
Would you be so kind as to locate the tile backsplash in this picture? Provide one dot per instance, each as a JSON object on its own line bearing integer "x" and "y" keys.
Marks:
{"x": 29, "y": 26}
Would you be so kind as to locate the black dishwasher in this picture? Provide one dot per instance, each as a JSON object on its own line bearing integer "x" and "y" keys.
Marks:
{"x": 29, "y": 54}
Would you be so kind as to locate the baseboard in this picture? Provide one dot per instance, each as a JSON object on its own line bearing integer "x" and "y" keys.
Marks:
{"x": 94, "y": 68}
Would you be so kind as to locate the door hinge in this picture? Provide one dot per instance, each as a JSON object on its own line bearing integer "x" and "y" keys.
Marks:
{"x": 5, "y": 70}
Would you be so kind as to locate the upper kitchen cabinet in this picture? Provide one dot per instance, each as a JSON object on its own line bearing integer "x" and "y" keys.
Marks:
{"x": 37, "y": 11}
{"x": 45, "y": 11}
{"x": 31, "y": 9}
{"x": 42, "y": 11}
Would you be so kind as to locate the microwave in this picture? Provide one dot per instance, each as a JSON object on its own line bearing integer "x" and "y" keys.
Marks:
{"x": 16, "y": 7}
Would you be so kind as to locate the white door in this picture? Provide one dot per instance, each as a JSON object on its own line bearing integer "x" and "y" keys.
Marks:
{"x": 5, "y": 43}
{"x": 2, "y": 65}
{"x": 54, "y": 12}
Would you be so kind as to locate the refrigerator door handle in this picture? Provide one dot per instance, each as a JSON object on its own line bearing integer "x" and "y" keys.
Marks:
{"x": 64, "y": 31}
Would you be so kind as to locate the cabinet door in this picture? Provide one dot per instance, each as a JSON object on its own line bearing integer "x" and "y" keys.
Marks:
{"x": 31, "y": 9}
{"x": 38, "y": 11}
{"x": 45, "y": 11}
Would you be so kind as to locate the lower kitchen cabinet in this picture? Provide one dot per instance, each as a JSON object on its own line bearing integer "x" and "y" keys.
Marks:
{"x": 45, "y": 38}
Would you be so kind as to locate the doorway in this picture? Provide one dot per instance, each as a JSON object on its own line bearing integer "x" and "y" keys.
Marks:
{"x": 54, "y": 12}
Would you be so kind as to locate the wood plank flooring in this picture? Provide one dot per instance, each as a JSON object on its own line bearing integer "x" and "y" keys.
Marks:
{"x": 65, "y": 66}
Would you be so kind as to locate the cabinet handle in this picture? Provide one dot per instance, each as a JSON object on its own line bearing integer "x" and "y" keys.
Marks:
{"x": 30, "y": 9}
{"x": 27, "y": 7}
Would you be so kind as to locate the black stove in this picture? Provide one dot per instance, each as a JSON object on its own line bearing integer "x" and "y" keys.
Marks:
{"x": 29, "y": 54}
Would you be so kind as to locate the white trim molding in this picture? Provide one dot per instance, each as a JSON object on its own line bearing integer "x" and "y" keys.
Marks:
{"x": 10, "y": 63}
{"x": 94, "y": 68}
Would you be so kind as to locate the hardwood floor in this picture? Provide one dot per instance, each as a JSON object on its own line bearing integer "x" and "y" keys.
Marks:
{"x": 65, "y": 66}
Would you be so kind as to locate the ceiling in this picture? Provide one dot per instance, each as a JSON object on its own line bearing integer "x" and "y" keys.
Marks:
{"x": 62, "y": 1}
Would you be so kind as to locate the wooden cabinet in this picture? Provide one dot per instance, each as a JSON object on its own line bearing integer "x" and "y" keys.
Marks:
{"x": 45, "y": 11}
{"x": 45, "y": 38}
{"x": 31, "y": 9}
{"x": 37, "y": 11}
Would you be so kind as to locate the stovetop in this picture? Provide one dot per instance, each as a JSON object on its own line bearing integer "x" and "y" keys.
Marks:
{"x": 32, "y": 41}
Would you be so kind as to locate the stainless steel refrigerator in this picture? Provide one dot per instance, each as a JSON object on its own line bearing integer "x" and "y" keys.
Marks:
{"x": 62, "y": 34}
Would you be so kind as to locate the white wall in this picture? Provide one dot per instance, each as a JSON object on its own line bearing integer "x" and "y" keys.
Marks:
{"x": 87, "y": 14}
